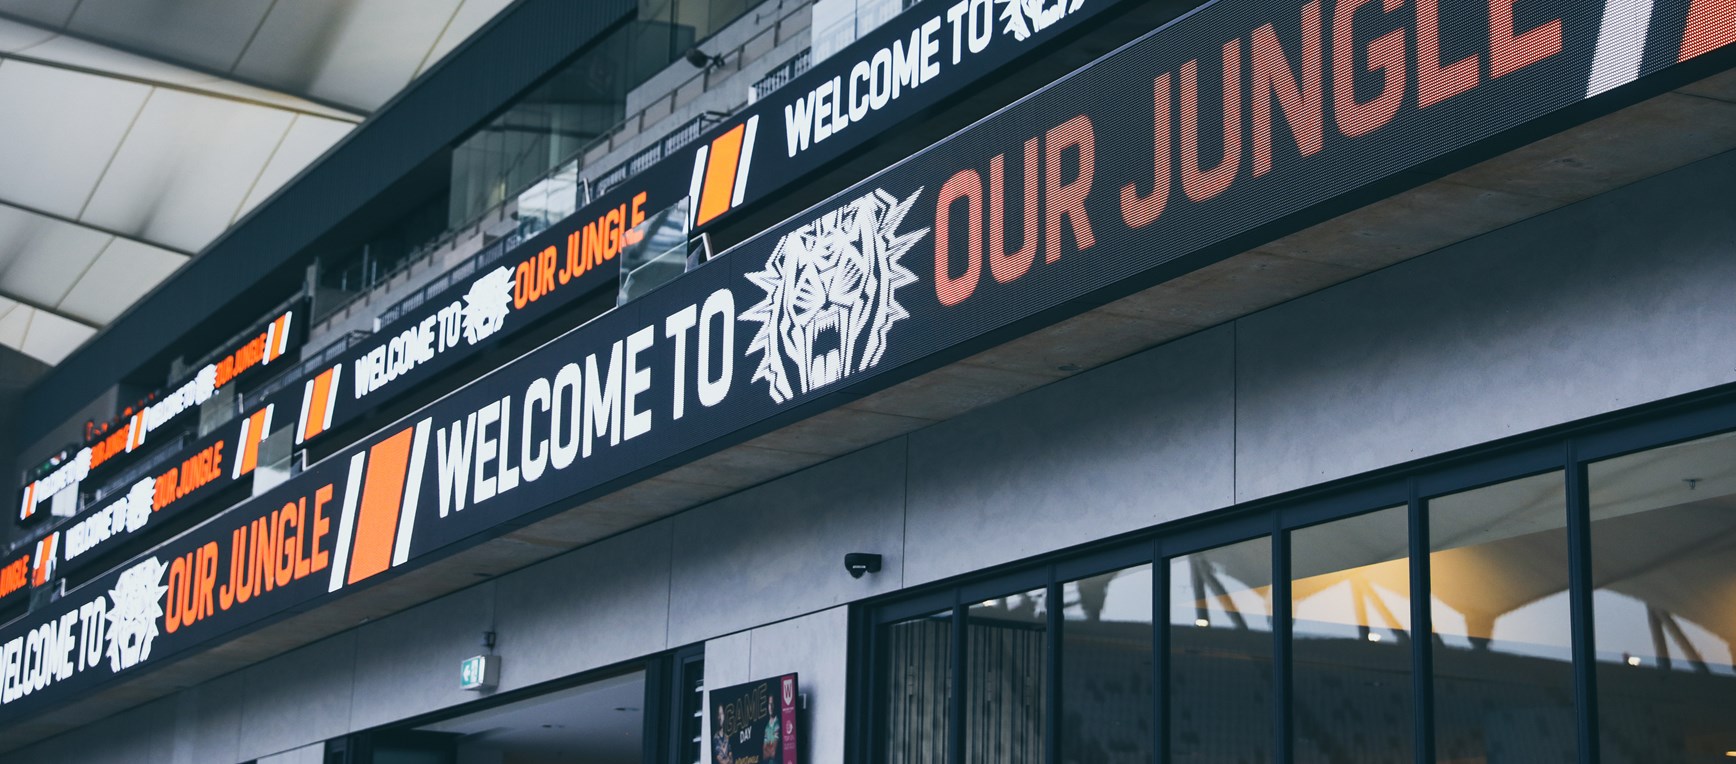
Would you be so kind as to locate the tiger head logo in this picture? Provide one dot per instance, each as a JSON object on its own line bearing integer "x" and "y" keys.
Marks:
{"x": 1028, "y": 17}
{"x": 831, "y": 295}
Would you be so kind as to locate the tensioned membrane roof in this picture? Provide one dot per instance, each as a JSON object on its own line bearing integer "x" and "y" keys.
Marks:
{"x": 134, "y": 132}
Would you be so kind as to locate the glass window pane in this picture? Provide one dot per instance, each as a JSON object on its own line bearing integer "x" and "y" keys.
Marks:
{"x": 1220, "y": 653}
{"x": 1663, "y": 554}
{"x": 1106, "y": 669}
{"x": 1503, "y": 658}
{"x": 1006, "y": 642}
{"x": 918, "y": 689}
{"x": 1350, "y": 640}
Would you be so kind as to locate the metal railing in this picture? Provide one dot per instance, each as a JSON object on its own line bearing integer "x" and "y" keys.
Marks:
{"x": 637, "y": 123}
{"x": 776, "y": 33}
{"x": 173, "y": 449}
{"x": 781, "y": 76}
{"x": 464, "y": 268}
{"x": 688, "y": 132}
{"x": 309, "y": 362}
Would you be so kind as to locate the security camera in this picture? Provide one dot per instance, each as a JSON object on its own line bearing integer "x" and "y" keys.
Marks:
{"x": 702, "y": 60}
{"x": 859, "y": 563}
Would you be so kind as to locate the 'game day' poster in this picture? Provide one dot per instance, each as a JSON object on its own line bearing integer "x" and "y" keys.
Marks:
{"x": 755, "y": 723}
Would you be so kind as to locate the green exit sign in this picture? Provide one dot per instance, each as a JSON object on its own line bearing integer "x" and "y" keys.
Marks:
{"x": 479, "y": 672}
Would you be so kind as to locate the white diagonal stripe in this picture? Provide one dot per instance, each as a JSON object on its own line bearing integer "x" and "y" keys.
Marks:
{"x": 1621, "y": 45}
{"x": 412, "y": 492}
{"x": 347, "y": 522}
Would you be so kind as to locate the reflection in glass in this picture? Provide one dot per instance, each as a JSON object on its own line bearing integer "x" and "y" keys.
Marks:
{"x": 1503, "y": 658}
{"x": 1220, "y": 653}
{"x": 1350, "y": 640}
{"x": 918, "y": 682}
{"x": 1006, "y": 640}
{"x": 1106, "y": 668}
{"x": 654, "y": 253}
{"x": 1663, "y": 554}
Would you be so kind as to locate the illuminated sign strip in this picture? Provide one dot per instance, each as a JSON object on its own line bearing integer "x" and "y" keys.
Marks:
{"x": 15, "y": 577}
{"x": 278, "y": 337}
{"x": 717, "y": 356}
{"x": 928, "y": 53}
{"x": 209, "y": 466}
{"x": 937, "y": 50}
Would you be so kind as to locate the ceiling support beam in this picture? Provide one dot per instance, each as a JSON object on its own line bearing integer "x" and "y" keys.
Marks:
{"x": 29, "y": 303}
{"x": 90, "y": 226}
{"x": 355, "y": 113}
{"x": 335, "y": 114}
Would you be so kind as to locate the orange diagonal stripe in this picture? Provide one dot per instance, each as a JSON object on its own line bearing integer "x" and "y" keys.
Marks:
{"x": 720, "y": 174}
{"x": 255, "y": 434}
{"x": 1711, "y": 25}
{"x": 276, "y": 336}
{"x": 316, "y": 404}
{"x": 382, "y": 495}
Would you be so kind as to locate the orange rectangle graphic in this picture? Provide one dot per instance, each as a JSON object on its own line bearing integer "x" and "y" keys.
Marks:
{"x": 382, "y": 497}
{"x": 720, "y": 174}
{"x": 313, "y": 419}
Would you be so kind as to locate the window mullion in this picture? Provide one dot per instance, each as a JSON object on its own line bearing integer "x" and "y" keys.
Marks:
{"x": 955, "y": 724}
{"x": 1053, "y": 669}
{"x": 1160, "y": 656}
{"x": 1281, "y": 629}
{"x": 1422, "y": 630}
{"x": 1580, "y": 587}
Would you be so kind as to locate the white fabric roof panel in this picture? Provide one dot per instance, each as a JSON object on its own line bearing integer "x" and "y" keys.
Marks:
{"x": 137, "y": 131}
{"x": 185, "y": 167}
{"x": 471, "y": 15}
{"x": 60, "y": 130}
{"x": 82, "y": 54}
{"x": 51, "y": 337}
{"x": 16, "y": 37}
{"x": 51, "y": 13}
{"x": 354, "y": 53}
{"x": 39, "y": 333}
{"x": 206, "y": 34}
{"x": 42, "y": 258}
{"x": 370, "y": 50}
{"x": 307, "y": 139}
{"x": 124, "y": 272}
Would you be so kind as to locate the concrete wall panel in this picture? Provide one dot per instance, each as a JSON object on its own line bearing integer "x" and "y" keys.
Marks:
{"x": 777, "y": 550}
{"x": 815, "y": 647}
{"x": 728, "y": 661}
{"x": 297, "y": 698}
{"x": 143, "y": 733}
{"x": 312, "y": 754}
{"x": 407, "y": 663}
{"x": 208, "y": 721}
{"x": 1124, "y": 446}
{"x": 602, "y": 604}
{"x": 1558, "y": 318}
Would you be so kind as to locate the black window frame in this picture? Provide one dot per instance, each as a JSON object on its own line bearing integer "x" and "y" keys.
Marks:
{"x": 1570, "y": 449}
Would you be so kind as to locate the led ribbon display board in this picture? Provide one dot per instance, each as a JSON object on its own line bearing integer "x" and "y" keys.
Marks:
{"x": 14, "y": 576}
{"x": 210, "y": 466}
{"x": 1104, "y": 179}
{"x": 926, "y": 54}
{"x": 572, "y": 260}
{"x": 276, "y": 338}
